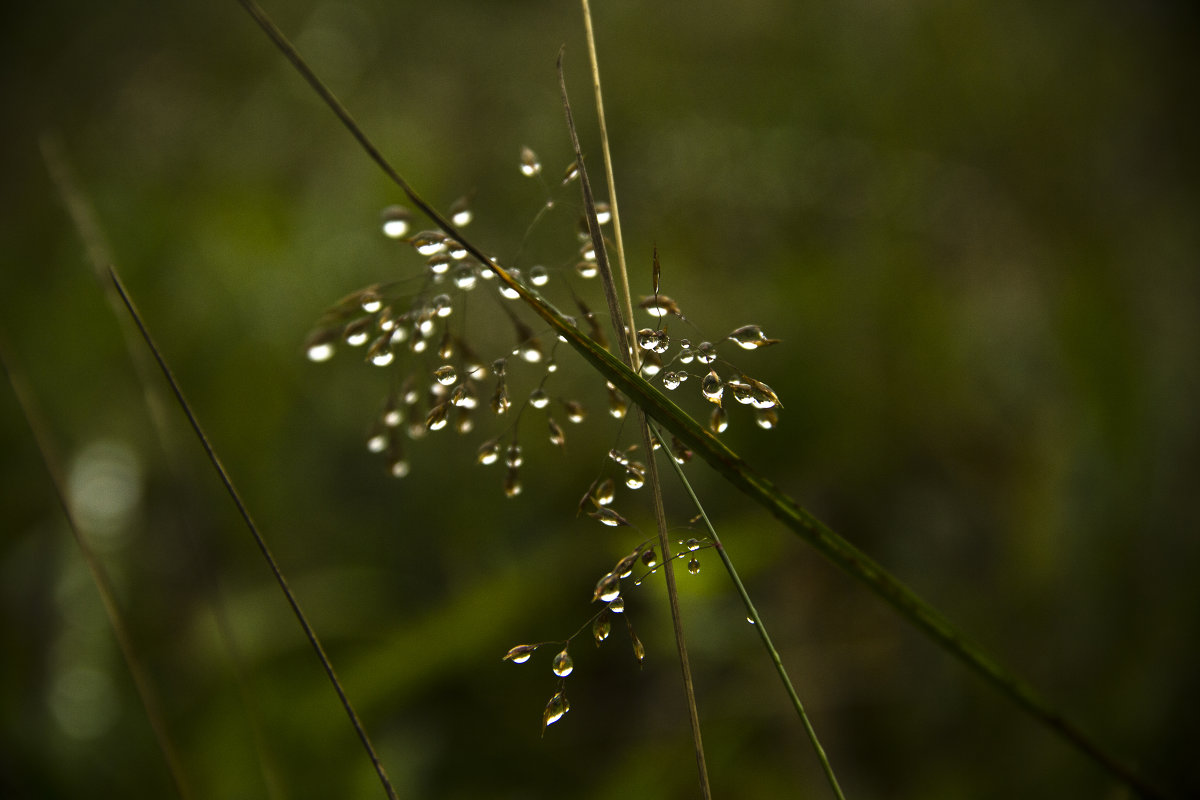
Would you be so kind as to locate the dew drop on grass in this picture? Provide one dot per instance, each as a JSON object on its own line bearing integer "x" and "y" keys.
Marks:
{"x": 639, "y": 650}
{"x": 538, "y": 276}
{"x": 706, "y": 353}
{"x": 445, "y": 375}
{"x": 513, "y": 457}
{"x": 617, "y": 605}
{"x": 562, "y": 665}
{"x": 489, "y": 453}
{"x": 539, "y": 399}
{"x": 624, "y": 567}
{"x": 587, "y": 269}
{"x": 460, "y": 212}
{"x": 370, "y": 301}
{"x": 651, "y": 364}
{"x": 606, "y": 516}
{"x": 439, "y": 263}
{"x": 635, "y": 477}
{"x": 575, "y": 412}
{"x": 399, "y": 468}
{"x": 604, "y": 493}
{"x": 396, "y": 221}
{"x": 380, "y": 353}
{"x": 570, "y": 173}
{"x": 356, "y": 333}
{"x": 766, "y": 418}
{"x": 555, "y": 709}
{"x": 506, "y": 291}
{"x": 377, "y": 443}
{"x": 531, "y": 351}
{"x": 512, "y": 482}
{"x": 711, "y": 387}
{"x": 607, "y": 588}
{"x": 500, "y": 402}
{"x": 686, "y": 354}
{"x": 694, "y": 566}
{"x": 557, "y": 437}
{"x": 428, "y": 242}
{"x": 751, "y": 337}
{"x": 530, "y": 165}
{"x": 670, "y": 380}
{"x": 719, "y": 421}
{"x": 650, "y": 558}
{"x": 520, "y": 654}
{"x": 601, "y": 627}
{"x": 320, "y": 351}
{"x": 463, "y": 396}
{"x": 464, "y": 277}
{"x": 692, "y": 545}
{"x": 437, "y": 417}
{"x": 616, "y": 404}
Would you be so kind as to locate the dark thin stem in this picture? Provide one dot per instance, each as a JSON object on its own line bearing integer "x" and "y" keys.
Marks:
{"x": 141, "y": 681}
{"x": 752, "y": 611}
{"x": 254, "y": 532}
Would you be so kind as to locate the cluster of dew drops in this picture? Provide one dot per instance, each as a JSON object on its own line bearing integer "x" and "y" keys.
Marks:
{"x": 390, "y": 322}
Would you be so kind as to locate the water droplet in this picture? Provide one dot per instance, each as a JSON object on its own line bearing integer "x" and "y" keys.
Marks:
{"x": 460, "y": 212}
{"x": 659, "y": 306}
{"x": 624, "y": 567}
{"x": 601, "y": 627}
{"x": 751, "y": 337}
{"x": 719, "y": 421}
{"x": 538, "y": 398}
{"x": 605, "y": 492}
{"x": 463, "y": 396}
{"x": 587, "y": 269}
{"x": 396, "y": 221}
{"x": 399, "y": 468}
{"x": 500, "y": 402}
{"x": 587, "y": 252}
{"x": 439, "y": 263}
{"x": 320, "y": 351}
{"x": 512, "y": 456}
{"x": 606, "y": 516}
{"x": 538, "y": 276}
{"x": 618, "y": 457}
{"x": 377, "y": 443}
{"x": 750, "y": 620}
{"x": 680, "y": 451}
{"x": 692, "y": 544}
{"x": 635, "y": 476}
{"x": 531, "y": 351}
{"x": 766, "y": 418}
{"x": 555, "y": 709}
{"x": 562, "y": 665}
{"x": 616, "y": 404}
{"x": 651, "y": 364}
{"x": 575, "y": 412}
{"x": 520, "y": 654}
{"x": 706, "y": 353}
{"x": 512, "y": 482}
{"x": 639, "y": 650}
{"x": 603, "y": 213}
{"x": 508, "y": 292}
{"x": 379, "y": 353}
{"x": 437, "y": 417}
{"x": 712, "y": 388}
{"x": 356, "y": 333}
{"x": 607, "y": 588}
{"x": 617, "y": 605}
{"x": 499, "y": 365}
{"x": 762, "y": 396}
{"x": 557, "y": 437}
{"x": 463, "y": 423}
{"x": 650, "y": 558}
{"x": 489, "y": 453}
{"x": 650, "y": 339}
{"x": 445, "y": 375}
{"x": 530, "y": 165}
{"x": 464, "y": 277}
{"x": 670, "y": 380}
{"x": 686, "y": 354}
{"x": 570, "y": 173}
{"x": 370, "y": 301}
{"x": 428, "y": 242}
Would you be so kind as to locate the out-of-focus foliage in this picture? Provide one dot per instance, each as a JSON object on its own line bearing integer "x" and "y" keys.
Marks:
{"x": 972, "y": 225}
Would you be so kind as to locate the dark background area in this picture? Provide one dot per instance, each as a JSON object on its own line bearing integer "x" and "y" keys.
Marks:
{"x": 972, "y": 225}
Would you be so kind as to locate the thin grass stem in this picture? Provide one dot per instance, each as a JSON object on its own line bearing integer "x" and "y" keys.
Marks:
{"x": 753, "y": 614}
{"x": 104, "y": 587}
{"x": 234, "y": 495}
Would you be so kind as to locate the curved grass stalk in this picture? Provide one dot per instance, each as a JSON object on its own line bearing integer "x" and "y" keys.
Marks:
{"x": 759, "y": 626}
{"x": 734, "y": 469}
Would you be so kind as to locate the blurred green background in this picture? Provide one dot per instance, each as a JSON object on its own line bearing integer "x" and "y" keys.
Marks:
{"x": 973, "y": 225}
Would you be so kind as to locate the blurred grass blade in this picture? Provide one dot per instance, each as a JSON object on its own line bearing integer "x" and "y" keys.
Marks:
{"x": 731, "y": 466}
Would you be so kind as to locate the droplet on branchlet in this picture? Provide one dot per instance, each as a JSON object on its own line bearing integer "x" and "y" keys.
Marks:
{"x": 377, "y": 442}
{"x": 538, "y": 276}
{"x": 606, "y": 516}
{"x": 670, "y": 380}
{"x": 380, "y": 352}
{"x": 562, "y": 665}
{"x": 588, "y": 251}
{"x": 460, "y": 212}
{"x": 557, "y": 437}
{"x": 500, "y": 402}
{"x": 520, "y": 654}
{"x": 618, "y": 457}
{"x": 570, "y": 173}
{"x": 464, "y": 277}
{"x": 692, "y": 544}
{"x": 428, "y": 242}
{"x": 396, "y": 221}
{"x": 489, "y": 453}
{"x": 712, "y": 388}
{"x": 651, "y": 364}
{"x": 604, "y": 493}
{"x": 639, "y": 650}
{"x": 607, "y": 588}
{"x": 463, "y": 396}
{"x": 319, "y": 346}
{"x": 439, "y": 264}
{"x": 530, "y": 351}
{"x": 356, "y": 333}
{"x": 694, "y": 566}
{"x": 445, "y": 375}
{"x": 555, "y": 709}
{"x": 512, "y": 456}
{"x": 530, "y": 165}
{"x": 706, "y": 353}
{"x": 650, "y": 558}
{"x": 751, "y": 337}
{"x": 399, "y": 468}
{"x": 766, "y": 418}
{"x": 659, "y": 306}
{"x": 624, "y": 567}
{"x": 686, "y": 354}
{"x": 463, "y": 421}
{"x": 603, "y": 213}
{"x": 740, "y": 390}
{"x": 538, "y": 398}
{"x": 680, "y": 451}
{"x": 616, "y": 403}
{"x": 370, "y": 301}
{"x": 601, "y": 627}
{"x": 635, "y": 475}
{"x": 437, "y": 417}
{"x": 587, "y": 269}
{"x": 512, "y": 482}
{"x": 617, "y": 605}
{"x": 575, "y": 412}
{"x": 762, "y": 396}
{"x": 651, "y": 339}
{"x": 719, "y": 421}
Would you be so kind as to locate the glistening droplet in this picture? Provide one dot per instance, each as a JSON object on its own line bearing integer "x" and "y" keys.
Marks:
{"x": 530, "y": 165}
{"x": 520, "y": 654}
{"x": 445, "y": 375}
{"x": 396, "y": 221}
{"x": 607, "y": 588}
{"x": 562, "y": 664}
{"x": 751, "y": 337}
